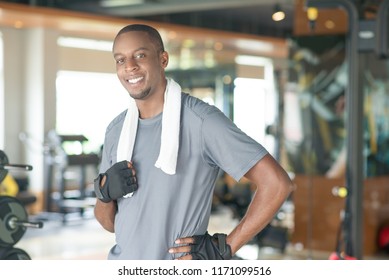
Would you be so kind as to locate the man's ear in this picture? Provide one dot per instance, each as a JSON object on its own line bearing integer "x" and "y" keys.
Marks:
{"x": 164, "y": 59}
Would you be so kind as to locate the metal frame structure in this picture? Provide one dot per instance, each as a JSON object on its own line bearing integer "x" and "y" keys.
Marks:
{"x": 354, "y": 104}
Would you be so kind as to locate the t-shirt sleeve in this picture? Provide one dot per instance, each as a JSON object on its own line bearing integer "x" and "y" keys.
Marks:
{"x": 228, "y": 147}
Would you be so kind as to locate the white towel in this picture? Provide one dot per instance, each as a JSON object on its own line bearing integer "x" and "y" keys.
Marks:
{"x": 167, "y": 159}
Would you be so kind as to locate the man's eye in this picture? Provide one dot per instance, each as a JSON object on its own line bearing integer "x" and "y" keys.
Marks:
{"x": 140, "y": 55}
{"x": 119, "y": 61}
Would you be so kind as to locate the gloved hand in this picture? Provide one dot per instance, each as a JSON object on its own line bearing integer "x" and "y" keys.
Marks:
{"x": 207, "y": 247}
{"x": 120, "y": 180}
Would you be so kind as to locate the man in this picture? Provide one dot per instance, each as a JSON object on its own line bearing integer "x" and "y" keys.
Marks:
{"x": 157, "y": 178}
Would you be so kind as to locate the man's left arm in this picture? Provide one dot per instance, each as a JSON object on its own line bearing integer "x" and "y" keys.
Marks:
{"x": 273, "y": 188}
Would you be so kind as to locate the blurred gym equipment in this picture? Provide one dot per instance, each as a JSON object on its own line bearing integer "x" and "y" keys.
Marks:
{"x": 11, "y": 186}
{"x": 13, "y": 215}
{"x": 60, "y": 197}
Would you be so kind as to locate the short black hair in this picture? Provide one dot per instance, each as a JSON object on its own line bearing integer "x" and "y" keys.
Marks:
{"x": 151, "y": 31}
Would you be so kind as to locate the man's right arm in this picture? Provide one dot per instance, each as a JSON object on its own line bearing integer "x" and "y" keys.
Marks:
{"x": 105, "y": 214}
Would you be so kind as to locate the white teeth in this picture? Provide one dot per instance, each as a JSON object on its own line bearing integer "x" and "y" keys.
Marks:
{"x": 133, "y": 81}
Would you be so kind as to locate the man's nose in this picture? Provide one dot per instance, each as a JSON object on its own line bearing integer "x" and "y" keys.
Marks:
{"x": 130, "y": 65}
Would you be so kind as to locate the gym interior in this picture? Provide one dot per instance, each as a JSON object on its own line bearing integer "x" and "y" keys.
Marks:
{"x": 316, "y": 96}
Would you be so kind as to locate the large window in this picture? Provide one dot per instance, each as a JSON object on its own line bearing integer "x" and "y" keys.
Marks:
{"x": 86, "y": 103}
{"x": 255, "y": 100}
{"x": 255, "y": 109}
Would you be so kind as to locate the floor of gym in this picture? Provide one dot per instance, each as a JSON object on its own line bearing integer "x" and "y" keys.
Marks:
{"x": 82, "y": 238}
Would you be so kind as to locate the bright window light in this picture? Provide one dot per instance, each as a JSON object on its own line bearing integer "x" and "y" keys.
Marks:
{"x": 253, "y": 60}
{"x": 86, "y": 103}
{"x": 82, "y": 43}
{"x": 254, "y": 109}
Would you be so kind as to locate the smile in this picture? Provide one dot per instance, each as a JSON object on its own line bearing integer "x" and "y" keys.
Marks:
{"x": 134, "y": 80}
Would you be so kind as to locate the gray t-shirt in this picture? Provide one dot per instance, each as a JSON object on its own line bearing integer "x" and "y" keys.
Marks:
{"x": 166, "y": 207}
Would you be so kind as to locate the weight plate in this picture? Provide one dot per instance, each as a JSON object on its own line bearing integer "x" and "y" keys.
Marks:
{"x": 3, "y": 161}
{"x": 13, "y": 254}
{"x": 11, "y": 210}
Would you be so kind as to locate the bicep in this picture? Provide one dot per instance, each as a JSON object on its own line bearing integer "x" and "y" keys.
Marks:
{"x": 267, "y": 172}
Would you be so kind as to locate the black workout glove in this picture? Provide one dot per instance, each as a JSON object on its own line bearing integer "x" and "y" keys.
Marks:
{"x": 207, "y": 247}
{"x": 120, "y": 181}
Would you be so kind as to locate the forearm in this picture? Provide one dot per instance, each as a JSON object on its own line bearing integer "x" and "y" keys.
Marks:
{"x": 255, "y": 220}
{"x": 105, "y": 214}
{"x": 273, "y": 188}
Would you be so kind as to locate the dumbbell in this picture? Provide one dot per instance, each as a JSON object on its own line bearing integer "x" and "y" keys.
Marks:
{"x": 12, "y": 253}
{"x": 13, "y": 221}
{"x": 5, "y": 166}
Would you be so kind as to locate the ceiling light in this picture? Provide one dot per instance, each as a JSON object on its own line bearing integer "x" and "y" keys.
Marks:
{"x": 120, "y": 3}
{"x": 312, "y": 13}
{"x": 18, "y": 24}
{"x": 329, "y": 24}
{"x": 278, "y": 14}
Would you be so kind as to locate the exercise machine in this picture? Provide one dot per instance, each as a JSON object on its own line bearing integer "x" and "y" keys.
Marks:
{"x": 60, "y": 198}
